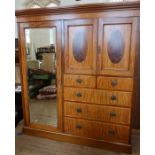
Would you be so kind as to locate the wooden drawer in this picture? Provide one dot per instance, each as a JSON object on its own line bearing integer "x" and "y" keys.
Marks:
{"x": 115, "y": 83}
{"x": 116, "y": 98}
{"x": 98, "y": 112}
{"x": 80, "y": 94}
{"x": 97, "y": 130}
{"x": 80, "y": 81}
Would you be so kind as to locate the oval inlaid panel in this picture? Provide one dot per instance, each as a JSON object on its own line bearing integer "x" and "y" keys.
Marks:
{"x": 116, "y": 47}
{"x": 80, "y": 45}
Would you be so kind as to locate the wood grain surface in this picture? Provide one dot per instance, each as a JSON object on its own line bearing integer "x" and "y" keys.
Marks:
{"x": 84, "y": 81}
{"x": 97, "y": 112}
{"x": 115, "y": 83}
{"x": 116, "y": 98}
{"x": 100, "y": 131}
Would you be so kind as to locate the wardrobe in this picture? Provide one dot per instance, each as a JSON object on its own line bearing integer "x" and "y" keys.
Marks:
{"x": 78, "y": 68}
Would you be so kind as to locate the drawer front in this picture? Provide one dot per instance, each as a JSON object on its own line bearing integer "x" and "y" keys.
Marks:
{"x": 97, "y": 130}
{"x": 79, "y": 94}
{"x": 115, "y": 83}
{"x": 116, "y": 98}
{"x": 98, "y": 112}
{"x": 80, "y": 81}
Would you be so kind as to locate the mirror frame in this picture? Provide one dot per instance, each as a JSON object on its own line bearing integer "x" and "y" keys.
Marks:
{"x": 25, "y": 97}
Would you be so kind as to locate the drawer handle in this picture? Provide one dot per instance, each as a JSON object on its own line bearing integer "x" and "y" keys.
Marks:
{"x": 79, "y": 81}
{"x": 79, "y": 110}
{"x": 111, "y": 132}
{"x": 78, "y": 94}
{"x": 78, "y": 126}
{"x": 112, "y": 114}
{"x": 113, "y": 97}
{"x": 113, "y": 82}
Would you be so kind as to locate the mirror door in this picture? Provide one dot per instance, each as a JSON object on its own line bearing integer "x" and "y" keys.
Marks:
{"x": 43, "y": 57}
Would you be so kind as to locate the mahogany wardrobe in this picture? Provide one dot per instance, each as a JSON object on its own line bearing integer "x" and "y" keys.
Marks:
{"x": 78, "y": 68}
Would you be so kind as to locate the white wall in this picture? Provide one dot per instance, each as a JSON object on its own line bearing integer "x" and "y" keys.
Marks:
{"x": 73, "y": 2}
{"x": 19, "y": 4}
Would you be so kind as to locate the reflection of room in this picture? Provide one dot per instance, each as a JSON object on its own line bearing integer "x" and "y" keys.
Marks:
{"x": 41, "y": 63}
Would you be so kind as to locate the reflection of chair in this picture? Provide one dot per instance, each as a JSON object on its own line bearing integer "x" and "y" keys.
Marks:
{"x": 37, "y": 79}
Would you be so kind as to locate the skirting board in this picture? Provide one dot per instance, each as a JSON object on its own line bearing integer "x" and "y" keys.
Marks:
{"x": 118, "y": 147}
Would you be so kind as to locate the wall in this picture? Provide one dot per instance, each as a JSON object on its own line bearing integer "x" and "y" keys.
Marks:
{"x": 19, "y": 4}
{"x": 73, "y": 2}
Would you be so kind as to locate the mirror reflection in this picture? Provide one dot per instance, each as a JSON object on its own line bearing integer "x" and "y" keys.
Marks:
{"x": 41, "y": 75}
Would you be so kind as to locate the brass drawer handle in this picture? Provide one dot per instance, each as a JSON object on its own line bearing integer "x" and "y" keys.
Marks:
{"x": 112, "y": 114}
{"x": 113, "y": 82}
{"x": 79, "y": 110}
{"x": 113, "y": 97}
{"x": 78, "y": 94}
{"x": 78, "y": 126}
{"x": 79, "y": 81}
{"x": 111, "y": 132}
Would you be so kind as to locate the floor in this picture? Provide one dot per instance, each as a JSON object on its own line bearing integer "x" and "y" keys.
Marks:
{"x": 43, "y": 111}
{"x": 29, "y": 145}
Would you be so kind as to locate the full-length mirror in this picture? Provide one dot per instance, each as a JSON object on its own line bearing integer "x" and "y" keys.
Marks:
{"x": 41, "y": 75}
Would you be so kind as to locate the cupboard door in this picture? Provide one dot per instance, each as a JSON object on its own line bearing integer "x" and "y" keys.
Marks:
{"x": 80, "y": 46}
{"x": 117, "y": 44}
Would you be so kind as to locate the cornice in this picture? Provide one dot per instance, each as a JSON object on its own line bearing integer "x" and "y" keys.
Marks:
{"x": 78, "y": 8}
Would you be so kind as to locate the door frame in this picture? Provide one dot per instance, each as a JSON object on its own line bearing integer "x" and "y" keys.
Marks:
{"x": 25, "y": 97}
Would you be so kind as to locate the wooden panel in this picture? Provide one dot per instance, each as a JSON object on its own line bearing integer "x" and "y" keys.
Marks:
{"x": 97, "y": 112}
{"x": 115, "y": 47}
{"x": 76, "y": 9}
{"x": 23, "y": 68}
{"x": 97, "y": 130}
{"x": 116, "y": 98}
{"x": 117, "y": 37}
{"x": 114, "y": 13}
{"x": 80, "y": 46}
{"x": 115, "y": 83}
{"x": 136, "y": 92}
{"x": 80, "y": 81}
